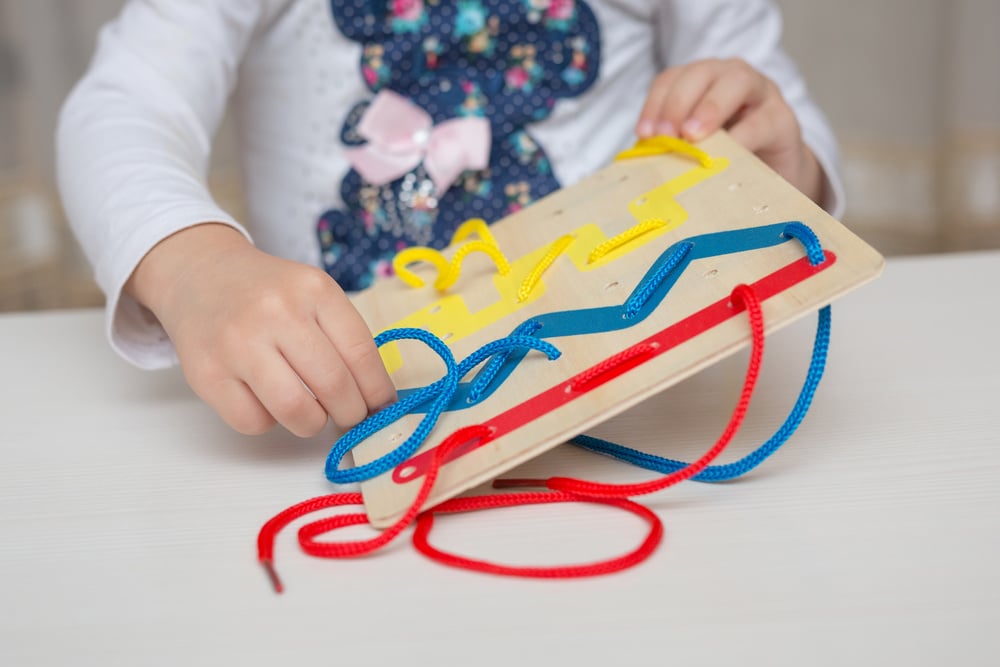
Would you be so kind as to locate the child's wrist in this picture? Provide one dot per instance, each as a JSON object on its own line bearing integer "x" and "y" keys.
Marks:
{"x": 170, "y": 263}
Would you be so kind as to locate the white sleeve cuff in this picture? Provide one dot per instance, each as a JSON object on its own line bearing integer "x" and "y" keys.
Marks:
{"x": 132, "y": 329}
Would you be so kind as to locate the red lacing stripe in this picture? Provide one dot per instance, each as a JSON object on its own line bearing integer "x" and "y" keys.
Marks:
{"x": 743, "y": 297}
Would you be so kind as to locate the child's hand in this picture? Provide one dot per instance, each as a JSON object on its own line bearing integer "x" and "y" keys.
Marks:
{"x": 253, "y": 332}
{"x": 694, "y": 100}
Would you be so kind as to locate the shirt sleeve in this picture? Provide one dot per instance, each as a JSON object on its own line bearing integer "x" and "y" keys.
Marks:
{"x": 751, "y": 30}
{"x": 133, "y": 145}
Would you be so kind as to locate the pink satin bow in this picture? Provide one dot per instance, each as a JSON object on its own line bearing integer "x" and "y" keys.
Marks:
{"x": 400, "y": 135}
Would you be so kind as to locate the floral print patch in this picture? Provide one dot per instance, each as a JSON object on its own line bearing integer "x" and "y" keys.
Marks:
{"x": 507, "y": 61}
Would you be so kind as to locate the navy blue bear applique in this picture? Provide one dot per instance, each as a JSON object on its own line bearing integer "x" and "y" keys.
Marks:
{"x": 507, "y": 61}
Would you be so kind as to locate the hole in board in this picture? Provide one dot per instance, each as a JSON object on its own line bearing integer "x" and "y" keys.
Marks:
{"x": 447, "y": 336}
{"x": 711, "y": 273}
{"x": 760, "y": 209}
{"x": 434, "y": 309}
{"x": 610, "y": 286}
{"x": 733, "y": 187}
{"x": 640, "y": 201}
{"x": 407, "y": 472}
{"x": 395, "y": 436}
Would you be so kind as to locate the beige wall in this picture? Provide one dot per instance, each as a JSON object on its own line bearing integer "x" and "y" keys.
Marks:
{"x": 44, "y": 46}
{"x": 911, "y": 87}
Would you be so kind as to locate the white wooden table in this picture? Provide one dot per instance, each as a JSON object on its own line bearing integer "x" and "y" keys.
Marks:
{"x": 129, "y": 514}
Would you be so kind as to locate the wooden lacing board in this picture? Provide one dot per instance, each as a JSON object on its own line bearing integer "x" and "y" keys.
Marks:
{"x": 731, "y": 208}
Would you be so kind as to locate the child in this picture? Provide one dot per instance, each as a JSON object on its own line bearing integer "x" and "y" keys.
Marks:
{"x": 368, "y": 126}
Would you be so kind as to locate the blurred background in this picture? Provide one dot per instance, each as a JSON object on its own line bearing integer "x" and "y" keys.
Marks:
{"x": 911, "y": 87}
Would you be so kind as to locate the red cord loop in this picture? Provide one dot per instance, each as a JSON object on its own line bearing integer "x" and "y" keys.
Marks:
{"x": 426, "y": 521}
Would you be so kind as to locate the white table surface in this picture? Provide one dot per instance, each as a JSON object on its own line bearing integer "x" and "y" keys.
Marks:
{"x": 129, "y": 514}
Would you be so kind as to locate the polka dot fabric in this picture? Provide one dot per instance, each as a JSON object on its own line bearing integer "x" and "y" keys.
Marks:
{"x": 504, "y": 60}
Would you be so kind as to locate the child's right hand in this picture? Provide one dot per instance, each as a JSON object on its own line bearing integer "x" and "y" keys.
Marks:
{"x": 262, "y": 340}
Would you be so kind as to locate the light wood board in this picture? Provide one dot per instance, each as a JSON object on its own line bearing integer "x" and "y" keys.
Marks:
{"x": 736, "y": 192}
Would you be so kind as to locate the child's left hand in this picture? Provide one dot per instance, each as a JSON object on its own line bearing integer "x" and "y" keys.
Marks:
{"x": 692, "y": 101}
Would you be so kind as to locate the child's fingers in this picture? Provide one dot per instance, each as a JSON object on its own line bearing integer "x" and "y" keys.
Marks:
{"x": 283, "y": 394}
{"x": 767, "y": 127}
{"x": 236, "y": 404}
{"x": 737, "y": 87}
{"x": 649, "y": 117}
{"x": 687, "y": 88}
{"x": 315, "y": 359}
{"x": 349, "y": 333}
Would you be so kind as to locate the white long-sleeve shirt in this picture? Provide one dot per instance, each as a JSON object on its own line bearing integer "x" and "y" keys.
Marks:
{"x": 135, "y": 134}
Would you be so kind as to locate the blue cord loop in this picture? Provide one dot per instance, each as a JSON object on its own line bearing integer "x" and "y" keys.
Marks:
{"x": 719, "y": 473}
{"x": 375, "y": 423}
{"x": 439, "y": 394}
{"x": 807, "y": 237}
{"x": 485, "y": 377}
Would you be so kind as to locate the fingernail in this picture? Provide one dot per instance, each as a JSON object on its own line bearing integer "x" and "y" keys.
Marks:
{"x": 645, "y": 129}
{"x": 666, "y": 128}
{"x": 693, "y": 128}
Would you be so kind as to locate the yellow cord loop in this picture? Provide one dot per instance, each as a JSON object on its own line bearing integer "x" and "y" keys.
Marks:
{"x": 627, "y": 236}
{"x": 664, "y": 144}
{"x": 455, "y": 267}
{"x": 472, "y": 226}
{"x": 407, "y": 256}
{"x": 448, "y": 272}
{"x": 531, "y": 280}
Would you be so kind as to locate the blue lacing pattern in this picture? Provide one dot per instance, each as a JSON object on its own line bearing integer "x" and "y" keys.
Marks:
{"x": 719, "y": 473}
